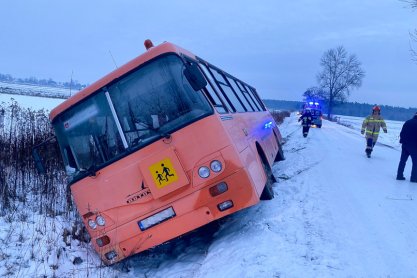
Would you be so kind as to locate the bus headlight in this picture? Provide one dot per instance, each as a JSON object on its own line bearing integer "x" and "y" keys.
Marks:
{"x": 204, "y": 172}
{"x": 216, "y": 166}
{"x": 92, "y": 224}
{"x": 100, "y": 220}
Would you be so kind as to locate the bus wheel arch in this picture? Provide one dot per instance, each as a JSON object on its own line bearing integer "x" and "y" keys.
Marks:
{"x": 280, "y": 154}
{"x": 268, "y": 191}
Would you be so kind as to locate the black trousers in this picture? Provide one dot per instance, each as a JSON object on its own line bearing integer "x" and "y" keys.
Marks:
{"x": 370, "y": 144}
{"x": 405, "y": 153}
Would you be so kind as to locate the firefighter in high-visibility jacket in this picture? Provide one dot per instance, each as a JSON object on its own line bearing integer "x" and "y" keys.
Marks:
{"x": 306, "y": 120}
{"x": 371, "y": 127}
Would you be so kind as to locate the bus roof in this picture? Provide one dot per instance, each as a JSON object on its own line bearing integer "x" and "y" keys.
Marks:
{"x": 151, "y": 53}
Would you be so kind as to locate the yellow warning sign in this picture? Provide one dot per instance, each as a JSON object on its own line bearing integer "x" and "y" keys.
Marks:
{"x": 163, "y": 173}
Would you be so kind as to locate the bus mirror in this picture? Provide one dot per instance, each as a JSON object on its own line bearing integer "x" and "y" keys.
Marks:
{"x": 38, "y": 161}
{"x": 194, "y": 76}
{"x": 44, "y": 151}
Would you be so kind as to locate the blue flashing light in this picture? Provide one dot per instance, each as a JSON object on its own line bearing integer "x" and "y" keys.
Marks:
{"x": 316, "y": 103}
{"x": 311, "y": 103}
{"x": 268, "y": 125}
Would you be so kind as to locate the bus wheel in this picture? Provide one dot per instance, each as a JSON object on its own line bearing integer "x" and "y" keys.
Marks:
{"x": 268, "y": 192}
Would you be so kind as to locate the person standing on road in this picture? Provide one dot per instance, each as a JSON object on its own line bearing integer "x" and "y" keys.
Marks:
{"x": 306, "y": 120}
{"x": 371, "y": 125}
{"x": 408, "y": 139}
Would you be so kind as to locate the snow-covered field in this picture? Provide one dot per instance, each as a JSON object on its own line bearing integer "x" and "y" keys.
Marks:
{"x": 35, "y": 90}
{"x": 336, "y": 213}
{"x": 32, "y": 102}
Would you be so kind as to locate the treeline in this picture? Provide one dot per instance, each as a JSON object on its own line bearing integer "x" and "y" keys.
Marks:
{"x": 349, "y": 109}
{"x": 279, "y": 116}
{"x": 283, "y": 104}
{"x": 20, "y": 184}
{"x": 73, "y": 84}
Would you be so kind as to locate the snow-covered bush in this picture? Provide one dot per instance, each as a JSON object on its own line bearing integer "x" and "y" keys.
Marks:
{"x": 279, "y": 116}
{"x": 20, "y": 130}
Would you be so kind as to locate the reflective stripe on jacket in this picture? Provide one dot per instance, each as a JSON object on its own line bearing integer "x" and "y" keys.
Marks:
{"x": 372, "y": 124}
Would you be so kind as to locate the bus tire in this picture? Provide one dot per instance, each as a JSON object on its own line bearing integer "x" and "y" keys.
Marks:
{"x": 268, "y": 192}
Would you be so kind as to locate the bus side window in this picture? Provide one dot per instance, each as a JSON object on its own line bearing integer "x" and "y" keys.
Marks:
{"x": 228, "y": 91}
{"x": 216, "y": 103}
{"x": 241, "y": 95}
{"x": 216, "y": 100}
{"x": 255, "y": 94}
{"x": 221, "y": 94}
{"x": 249, "y": 96}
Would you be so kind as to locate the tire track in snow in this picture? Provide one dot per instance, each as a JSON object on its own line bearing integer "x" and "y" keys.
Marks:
{"x": 307, "y": 231}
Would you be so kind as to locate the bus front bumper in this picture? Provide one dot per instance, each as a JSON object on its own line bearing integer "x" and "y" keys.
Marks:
{"x": 191, "y": 212}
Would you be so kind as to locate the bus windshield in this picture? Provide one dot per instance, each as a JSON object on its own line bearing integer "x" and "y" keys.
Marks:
{"x": 153, "y": 101}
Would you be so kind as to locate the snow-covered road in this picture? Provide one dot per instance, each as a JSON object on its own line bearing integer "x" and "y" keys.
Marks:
{"x": 369, "y": 220}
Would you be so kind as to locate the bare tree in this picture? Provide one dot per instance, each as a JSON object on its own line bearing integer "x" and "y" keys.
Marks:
{"x": 412, "y": 3}
{"x": 413, "y": 35}
{"x": 314, "y": 93}
{"x": 340, "y": 74}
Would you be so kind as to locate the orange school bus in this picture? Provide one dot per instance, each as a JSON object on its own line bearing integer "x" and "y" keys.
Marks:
{"x": 161, "y": 146}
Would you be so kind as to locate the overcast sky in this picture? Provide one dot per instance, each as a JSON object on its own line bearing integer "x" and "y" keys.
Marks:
{"x": 273, "y": 45}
